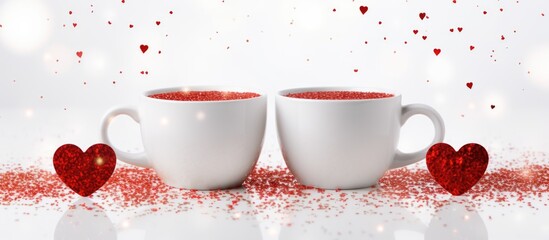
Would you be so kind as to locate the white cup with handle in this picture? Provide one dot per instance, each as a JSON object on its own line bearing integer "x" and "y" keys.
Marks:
{"x": 203, "y": 145}
{"x": 346, "y": 144}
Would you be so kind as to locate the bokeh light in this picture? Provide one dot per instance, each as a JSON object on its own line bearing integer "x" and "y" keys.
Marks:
{"x": 26, "y": 25}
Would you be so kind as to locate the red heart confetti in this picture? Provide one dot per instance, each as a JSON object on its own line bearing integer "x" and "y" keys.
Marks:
{"x": 485, "y": 12}
{"x": 492, "y": 106}
{"x": 471, "y": 47}
{"x": 84, "y": 172}
{"x": 363, "y": 9}
{"x": 79, "y": 54}
{"x": 424, "y": 37}
{"x": 451, "y": 30}
{"x": 355, "y": 70}
{"x": 460, "y": 29}
{"x": 437, "y": 51}
{"x": 157, "y": 23}
{"x": 415, "y": 31}
{"x": 70, "y": 12}
{"x": 457, "y": 172}
{"x": 422, "y": 15}
{"x": 144, "y": 47}
{"x": 74, "y": 24}
{"x": 502, "y": 37}
{"x": 469, "y": 85}
{"x": 131, "y": 25}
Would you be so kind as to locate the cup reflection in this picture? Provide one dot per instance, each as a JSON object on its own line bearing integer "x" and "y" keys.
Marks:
{"x": 85, "y": 220}
{"x": 197, "y": 221}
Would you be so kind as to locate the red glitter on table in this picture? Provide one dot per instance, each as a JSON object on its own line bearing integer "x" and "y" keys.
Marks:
{"x": 204, "y": 95}
{"x": 340, "y": 95}
{"x": 517, "y": 182}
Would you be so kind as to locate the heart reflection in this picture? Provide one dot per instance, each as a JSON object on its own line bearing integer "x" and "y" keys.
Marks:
{"x": 457, "y": 219}
{"x": 84, "y": 220}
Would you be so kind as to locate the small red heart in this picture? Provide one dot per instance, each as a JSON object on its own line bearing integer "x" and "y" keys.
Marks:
{"x": 79, "y": 54}
{"x": 457, "y": 172}
{"x": 157, "y": 23}
{"x": 355, "y": 70}
{"x": 502, "y": 37}
{"x": 471, "y": 47}
{"x": 131, "y": 25}
{"x": 437, "y": 51}
{"x": 144, "y": 48}
{"x": 451, "y": 30}
{"x": 363, "y": 9}
{"x": 74, "y": 24}
{"x": 469, "y": 85}
{"x": 415, "y": 31}
{"x": 460, "y": 29}
{"x": 424, "y": 37}
{"x": 422, "y": 15}
{"x": 492, "y": 106}
{"x": 84, "y": 172}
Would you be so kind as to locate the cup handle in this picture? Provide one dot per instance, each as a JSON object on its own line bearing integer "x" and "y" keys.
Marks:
{"x": 403, "y": 159}
{"x": 138, "y": 159}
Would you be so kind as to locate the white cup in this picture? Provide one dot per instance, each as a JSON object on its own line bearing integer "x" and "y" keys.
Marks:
{"x": 200, "y": 145}
{"x": 346, "y": 144}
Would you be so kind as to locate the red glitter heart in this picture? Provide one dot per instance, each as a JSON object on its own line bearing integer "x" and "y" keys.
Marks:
{"x": 422, "y": 15}
{"x": 144, "y": 47}
{"x": 363, "y": 9}
{"x": 469, "y": 85}
{"x": 437, "y": 51}
{"x": 84, "y": 172}
{"x": 79, "y": 54}
{"x": 457, "y": 172}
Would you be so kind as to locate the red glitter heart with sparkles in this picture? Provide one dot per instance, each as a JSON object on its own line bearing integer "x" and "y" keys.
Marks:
{"x": 363, "y": 9}
{"x": 457, "y": 172}
{"x": 84, "y": 172}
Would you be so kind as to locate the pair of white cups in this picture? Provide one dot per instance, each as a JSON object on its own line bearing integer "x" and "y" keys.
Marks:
{"x": 330, "y": 144}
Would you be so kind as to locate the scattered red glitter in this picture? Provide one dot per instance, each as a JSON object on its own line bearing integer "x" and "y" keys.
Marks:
{"x": 109, "y": 22}
{"x": 84, "y": 172}
{"x": 363, "y": 9}
{"x": 171, "y": 12}
{"x": 502, "y": 37}
{"x": 334, "y": 10}
{"x": 355, "y": 70}
{"x": 144, "y": 48}
{"x": 70, "y": 12}
{"x": 79, "y": 54}
{"x": 469, "y": 85}
{"x": 144, "y": 72}
{"x": 485, "y": 12}
{"x": 422, "y": 15}
{"x": 458, "y": 171}
{"x": 437, "y": 51}
{"x": 275, "y": 188}
{"x": 339, "y": 95}
{"x": 204, "y": 95}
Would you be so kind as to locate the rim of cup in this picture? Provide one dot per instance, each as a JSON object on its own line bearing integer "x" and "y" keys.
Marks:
{"x": 190, "y": 88}
{"x": 283, "y": 93}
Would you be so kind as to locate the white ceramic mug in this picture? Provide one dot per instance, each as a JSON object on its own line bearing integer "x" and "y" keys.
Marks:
{"x": 200, "y": 145}
{"x": 345, "y": 144}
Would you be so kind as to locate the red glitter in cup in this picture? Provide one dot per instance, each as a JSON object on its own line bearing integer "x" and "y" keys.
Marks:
{"x": 204, "y": 95}
{"x": 340, "y": 95}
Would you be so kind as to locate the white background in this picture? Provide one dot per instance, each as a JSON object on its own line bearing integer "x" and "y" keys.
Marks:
{"x": 271, "y": 45}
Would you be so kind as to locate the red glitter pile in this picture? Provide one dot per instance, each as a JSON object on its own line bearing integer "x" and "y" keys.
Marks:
{"x": 204, "y": 95}
{"x": 340, "y": 95}
{"x": 275, "y": 188}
